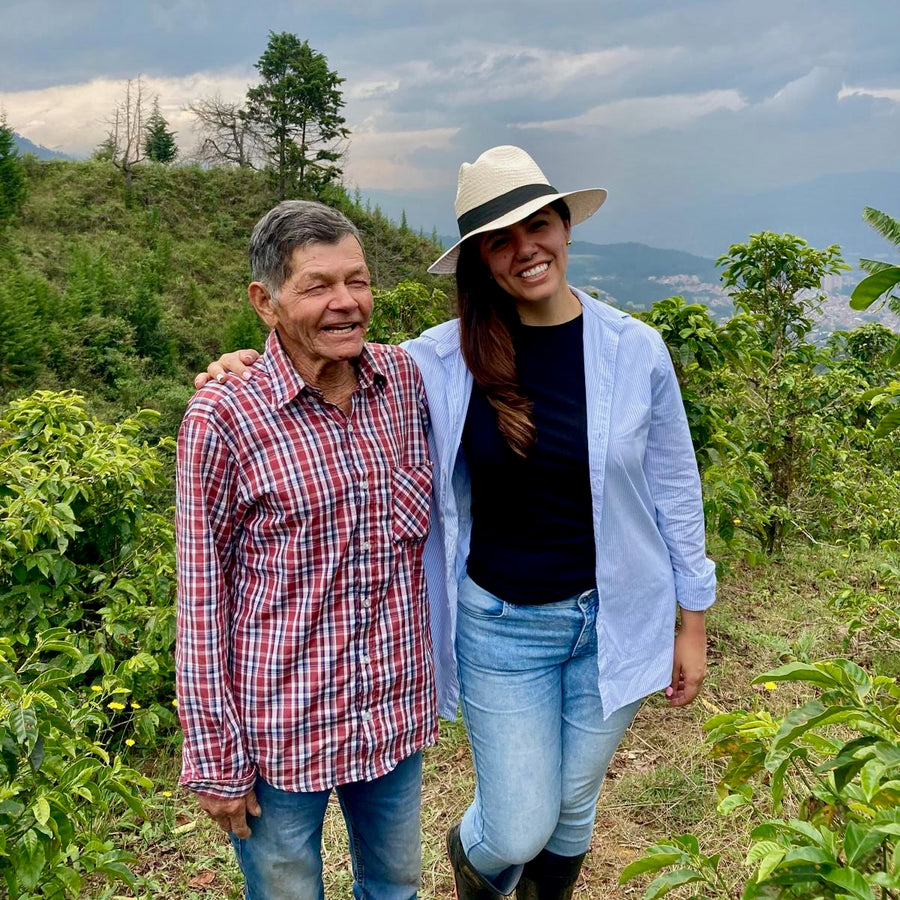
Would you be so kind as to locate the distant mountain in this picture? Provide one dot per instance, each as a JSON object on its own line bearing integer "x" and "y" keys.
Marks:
{"x": 25, "y": 146}
{"x": 633, "y": 277}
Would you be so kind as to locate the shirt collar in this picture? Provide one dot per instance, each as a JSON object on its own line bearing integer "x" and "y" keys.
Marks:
{"x": 284, "y": 382}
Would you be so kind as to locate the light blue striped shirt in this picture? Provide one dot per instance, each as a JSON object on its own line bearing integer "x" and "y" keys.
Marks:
{"x": 645, "y": 490}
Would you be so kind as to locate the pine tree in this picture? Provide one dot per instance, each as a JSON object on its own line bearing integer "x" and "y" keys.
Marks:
{"x": 13, "y": 185}
{"x": 159, "y": 142}
{"x": 296, "y": 110}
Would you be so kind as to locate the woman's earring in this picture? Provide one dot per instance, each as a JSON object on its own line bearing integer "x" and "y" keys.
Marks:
{"x": 568, "y": 243}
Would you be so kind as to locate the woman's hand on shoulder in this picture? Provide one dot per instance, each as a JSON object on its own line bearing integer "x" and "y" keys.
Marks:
{"x": 237, "y": 363}
{"x": 689, "y": 664}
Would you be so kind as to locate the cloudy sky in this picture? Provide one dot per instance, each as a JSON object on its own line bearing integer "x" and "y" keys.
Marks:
{"x": 678, "y": 107}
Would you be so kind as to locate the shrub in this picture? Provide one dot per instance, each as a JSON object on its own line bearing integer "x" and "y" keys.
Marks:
{"x": 80, "y": 547}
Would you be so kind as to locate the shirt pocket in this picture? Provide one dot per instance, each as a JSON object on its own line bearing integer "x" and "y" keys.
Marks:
{"x": 410, "y": 501}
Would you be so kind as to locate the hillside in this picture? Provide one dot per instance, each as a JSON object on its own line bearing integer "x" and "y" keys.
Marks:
{"x": 125, "y": 295}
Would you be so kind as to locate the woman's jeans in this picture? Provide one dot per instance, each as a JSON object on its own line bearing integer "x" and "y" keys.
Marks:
{"x": 282, "y": 858}
{"x": 528, "y": 682}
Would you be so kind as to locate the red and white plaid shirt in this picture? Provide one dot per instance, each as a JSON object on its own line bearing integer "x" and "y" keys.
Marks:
{"x": 303, "y": 651}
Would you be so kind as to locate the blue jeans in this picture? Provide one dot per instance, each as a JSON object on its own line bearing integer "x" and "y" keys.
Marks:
{"x": 528, "y": 689}
{"x": 282, "y": 859}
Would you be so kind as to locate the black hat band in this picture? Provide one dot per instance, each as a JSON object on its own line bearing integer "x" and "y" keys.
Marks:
{"x": 499, "y": 206}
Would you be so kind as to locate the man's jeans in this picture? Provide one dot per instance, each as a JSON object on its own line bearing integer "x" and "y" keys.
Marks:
{"x": 528, "y": 680}
{"x": 282, "y": 858}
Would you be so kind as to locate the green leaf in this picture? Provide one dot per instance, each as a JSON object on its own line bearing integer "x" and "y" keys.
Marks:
{"x": 24, "y": 725}
{"x": 661, "y": 886}
{"x": 797, "y": 671}
{"x": 761, "y": 849}
{"x": 769, "y": 863}
{"x": 859, "y": 841}
{"x": 730, "y": 803}
{"x": 799, "y": 721}
{"x": 873, "y": 286}
{"x": 41, "y": 810}
{"x": 849, "y": 880}
{"x": 871, "y": 776}
{"x": 812, "y": 855}
{"x": 30, "y": 859}
{"x": 649, "y": 863}
{"x": 688, "y": 842}
{"x": 888, "y": 423}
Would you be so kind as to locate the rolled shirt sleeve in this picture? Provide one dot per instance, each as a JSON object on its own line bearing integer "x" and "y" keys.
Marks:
{"x": 214, "y": 757}
{"x": 671, "y": 470}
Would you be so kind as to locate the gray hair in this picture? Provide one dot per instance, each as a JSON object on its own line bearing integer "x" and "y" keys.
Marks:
{"x": 284, "y": 228}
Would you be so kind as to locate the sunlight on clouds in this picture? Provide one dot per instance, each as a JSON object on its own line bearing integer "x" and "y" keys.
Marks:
{"x": 74, "y": 118}
{"x": 892, "y": 94}
{"x": 384, "y": 161}
{"x": 640, "y": 115}
{"x": 820, "y": 83}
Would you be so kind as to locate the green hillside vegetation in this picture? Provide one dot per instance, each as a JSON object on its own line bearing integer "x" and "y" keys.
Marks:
{"x": 124, "y": 294}
{"x": 111, "y": 299}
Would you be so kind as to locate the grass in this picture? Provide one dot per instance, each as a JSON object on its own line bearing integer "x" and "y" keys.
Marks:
{"x": 661, "y": 782}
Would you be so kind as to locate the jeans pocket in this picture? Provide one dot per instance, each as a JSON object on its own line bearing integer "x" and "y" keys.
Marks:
{"x": 410, "y": 502}
{"x": 476, "y": 601}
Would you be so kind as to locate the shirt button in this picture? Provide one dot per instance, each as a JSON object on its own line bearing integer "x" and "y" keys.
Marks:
{"x": 366, "y": 660}
{"x": 366, "y": 716}
{"x": 366, "y": 546}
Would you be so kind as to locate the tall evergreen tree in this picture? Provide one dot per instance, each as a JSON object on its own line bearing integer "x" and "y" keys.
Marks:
{"x": 13, "y": 185}
{"x": 296, "y": 109}
{"x": 159, "y": 142}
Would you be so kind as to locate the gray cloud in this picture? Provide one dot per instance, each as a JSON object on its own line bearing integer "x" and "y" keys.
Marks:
{"x": 663, "y": 102}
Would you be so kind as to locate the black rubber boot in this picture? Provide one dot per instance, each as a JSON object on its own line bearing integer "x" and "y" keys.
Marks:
{"x": 470, "y": 883}
{"x": 549, "y": 877}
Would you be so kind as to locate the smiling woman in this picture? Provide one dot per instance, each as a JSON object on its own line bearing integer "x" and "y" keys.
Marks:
{"x": 570, "y": 529}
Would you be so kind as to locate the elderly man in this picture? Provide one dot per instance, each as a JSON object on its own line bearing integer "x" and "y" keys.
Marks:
{"x": 303, "y": 653}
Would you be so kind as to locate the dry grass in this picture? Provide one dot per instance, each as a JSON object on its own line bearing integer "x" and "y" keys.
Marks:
{"x": 661, "y": 782}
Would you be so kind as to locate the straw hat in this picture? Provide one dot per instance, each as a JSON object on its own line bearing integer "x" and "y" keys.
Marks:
{"x": 502, "y": 187}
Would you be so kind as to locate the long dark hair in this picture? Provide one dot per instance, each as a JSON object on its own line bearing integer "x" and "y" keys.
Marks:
{"x": 487, "y": 316}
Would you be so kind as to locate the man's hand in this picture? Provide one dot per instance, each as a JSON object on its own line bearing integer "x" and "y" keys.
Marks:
{"x": 689, "y": 666}
{"x": 231, "y": 814}
{"x": 237, "y": 363}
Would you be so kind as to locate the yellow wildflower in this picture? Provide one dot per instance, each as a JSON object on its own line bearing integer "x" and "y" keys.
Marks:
{"x": 770, "y": 685}
{"x": 96, "y": 688}
{"x": 736, "y": 521}
{"x": 135, "y": 705}
{"x": 116, "y": 705}
{"x": 129, "y": 742}
{"x": 167, "y": 793}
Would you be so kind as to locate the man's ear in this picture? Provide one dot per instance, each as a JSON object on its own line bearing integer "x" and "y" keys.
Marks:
{"x": 261, "y": 301}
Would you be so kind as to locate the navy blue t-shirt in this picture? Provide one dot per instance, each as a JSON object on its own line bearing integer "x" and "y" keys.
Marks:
{"x": 532, "y": 524}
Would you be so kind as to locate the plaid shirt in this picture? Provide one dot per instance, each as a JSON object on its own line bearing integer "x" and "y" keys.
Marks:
{"x": 303, "y": 651}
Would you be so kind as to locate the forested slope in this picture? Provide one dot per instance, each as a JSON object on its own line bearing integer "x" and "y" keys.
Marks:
{"x": 123, "y": 294}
